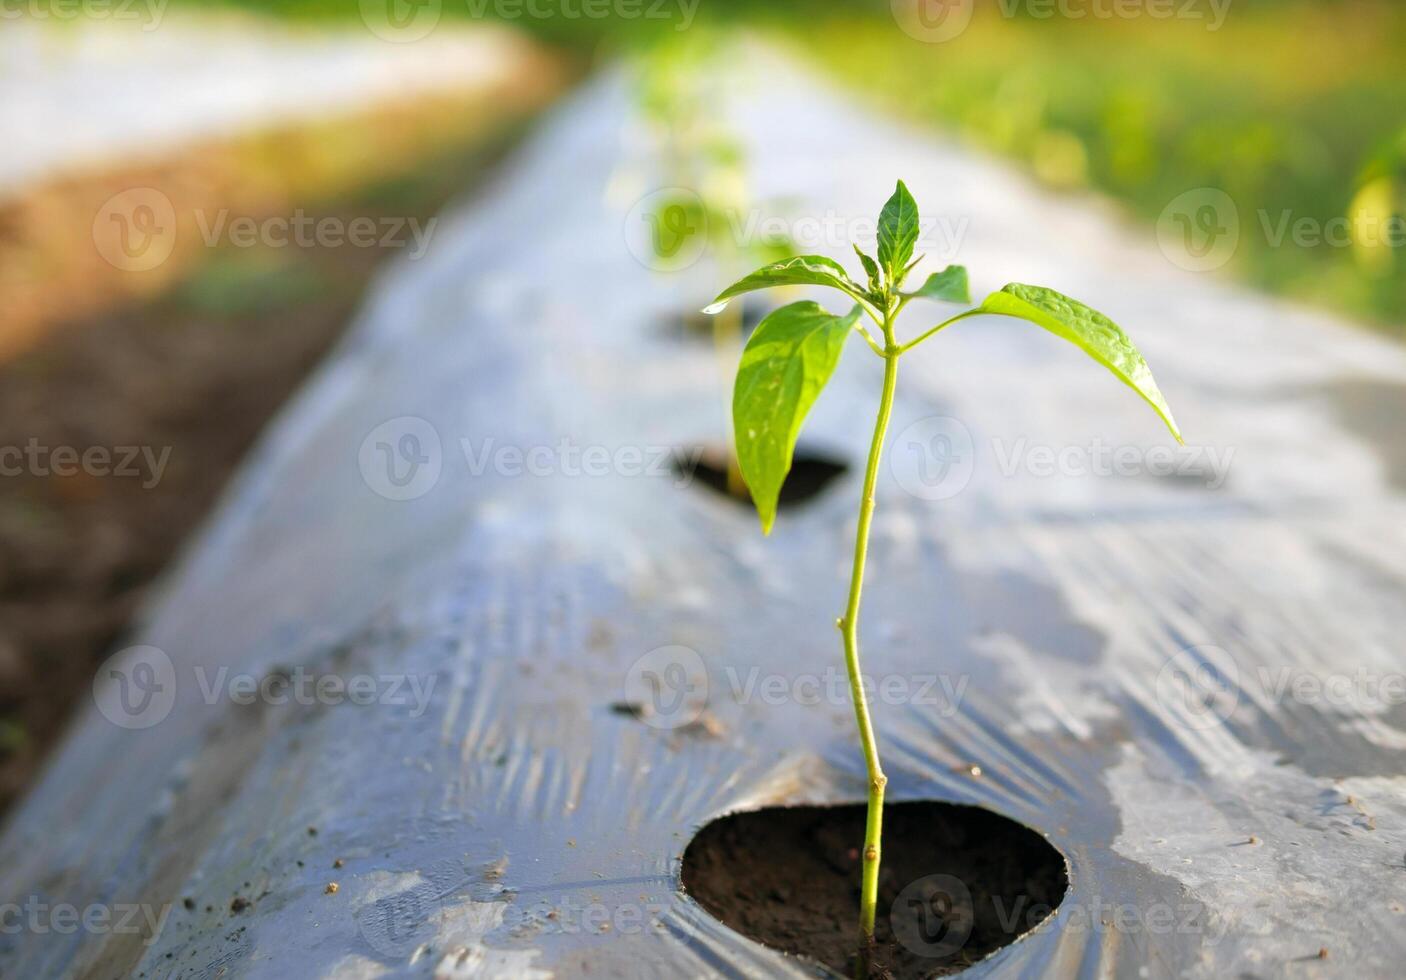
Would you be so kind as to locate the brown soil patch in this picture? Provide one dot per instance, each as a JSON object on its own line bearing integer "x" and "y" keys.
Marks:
{"x": 957, "y": 883}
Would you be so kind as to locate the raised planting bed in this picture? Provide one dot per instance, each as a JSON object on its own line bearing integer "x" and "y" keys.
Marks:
{"x": 602, "y": 729}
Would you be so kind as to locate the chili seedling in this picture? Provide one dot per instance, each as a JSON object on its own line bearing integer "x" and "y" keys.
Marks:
{"x": 793, "y": 353}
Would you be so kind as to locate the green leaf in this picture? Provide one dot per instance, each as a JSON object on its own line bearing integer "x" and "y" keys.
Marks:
{"x": 1088, "y": 329}
{"x": 911, "y": 265}
{"x": 871, "y": 268}
{"x": 803, "y": 270}
{"x": 898, "y": 232}
{"x": 784, "y": 366}
{"x": 947, "y": 286}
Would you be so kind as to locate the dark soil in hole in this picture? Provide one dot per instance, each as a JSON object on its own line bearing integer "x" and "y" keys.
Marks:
{"x": 697, "y": 325}
{"x": 957, "y": 883}
{"x": 811, "y": 472}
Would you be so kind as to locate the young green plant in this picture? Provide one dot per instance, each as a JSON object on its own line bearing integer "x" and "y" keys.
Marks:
{"x": 678, "y": 84}
{"x": 793, "y": 353}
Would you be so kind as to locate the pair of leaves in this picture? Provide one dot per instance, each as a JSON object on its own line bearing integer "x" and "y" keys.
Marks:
{"x": 794, "y": 351}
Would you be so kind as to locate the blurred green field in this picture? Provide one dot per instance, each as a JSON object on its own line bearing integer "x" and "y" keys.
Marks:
{"x": 1295, "y": 109}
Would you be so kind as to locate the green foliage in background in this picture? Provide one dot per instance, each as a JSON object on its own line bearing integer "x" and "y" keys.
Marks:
{"x": 1295, "y": 109}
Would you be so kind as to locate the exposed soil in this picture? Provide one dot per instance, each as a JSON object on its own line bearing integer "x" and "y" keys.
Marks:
{"x": 187, "y": 378}
{"x": 957, "y": 883}
{"x": 696, "y": 326}
{"x": 57, "y": 252}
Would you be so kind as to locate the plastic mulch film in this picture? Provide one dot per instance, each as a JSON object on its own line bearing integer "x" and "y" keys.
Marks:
{"x": 475, "y": 519}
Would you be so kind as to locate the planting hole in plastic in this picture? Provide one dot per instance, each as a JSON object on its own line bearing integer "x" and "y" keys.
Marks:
{"x": 811, "y": 472}
{"x": 695, "y": 325}
{"x": 957, "y": 883}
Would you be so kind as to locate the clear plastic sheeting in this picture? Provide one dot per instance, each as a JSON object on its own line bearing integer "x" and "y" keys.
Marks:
{"x": 1179, "y": 664}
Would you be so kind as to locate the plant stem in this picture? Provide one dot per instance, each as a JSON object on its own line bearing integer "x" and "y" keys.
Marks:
{"x": 849, "y": 627}
{"x": 941, "y": 326}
